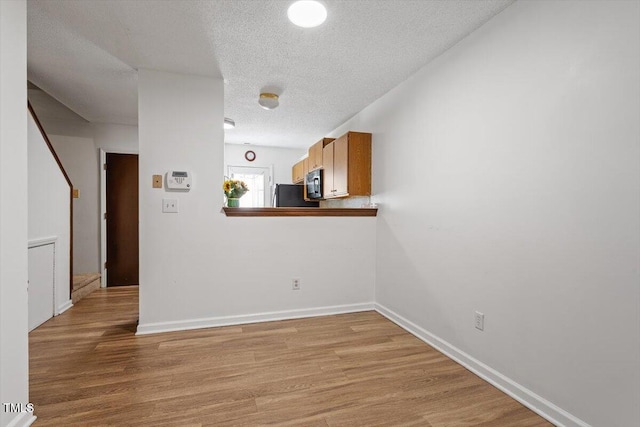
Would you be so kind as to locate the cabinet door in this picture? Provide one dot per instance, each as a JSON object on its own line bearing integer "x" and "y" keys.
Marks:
{"x": 327, "y": 178}
{"x": 297, "y": 173}
{"x": 311, "y": 157}
{"x": 315, "y": 156}
{"x": 340, "y": 166}
{"x": 305, "y": 171}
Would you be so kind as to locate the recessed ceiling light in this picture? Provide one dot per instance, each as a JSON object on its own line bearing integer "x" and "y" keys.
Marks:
{"x": 229, "y": 124}
{"x": 268, "y": 101}
{"x": 307, "y": 13}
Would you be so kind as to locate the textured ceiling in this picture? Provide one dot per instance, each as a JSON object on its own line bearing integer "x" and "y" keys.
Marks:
{"x": 86, "y": 53}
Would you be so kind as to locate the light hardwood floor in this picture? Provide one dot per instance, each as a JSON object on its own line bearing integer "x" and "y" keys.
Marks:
{"x": 88, "y": 368}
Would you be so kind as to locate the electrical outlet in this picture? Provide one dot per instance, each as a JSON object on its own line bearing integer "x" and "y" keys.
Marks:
{"x": 479, "y": 320}
{"x": 295, "y": 284}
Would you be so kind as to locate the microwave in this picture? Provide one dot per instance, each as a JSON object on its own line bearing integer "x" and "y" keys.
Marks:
{"x": 314, "y": 184}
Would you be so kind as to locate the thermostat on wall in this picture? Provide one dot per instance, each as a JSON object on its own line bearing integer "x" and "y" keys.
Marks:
{"x": 178, "y": 180}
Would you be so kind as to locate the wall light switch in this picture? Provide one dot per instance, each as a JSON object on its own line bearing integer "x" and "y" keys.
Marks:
{"x": 157, "y": 181}
{"x": 76, "y": 193}
{"x": 170, "y": 205}
{"x": 478, "y": 320}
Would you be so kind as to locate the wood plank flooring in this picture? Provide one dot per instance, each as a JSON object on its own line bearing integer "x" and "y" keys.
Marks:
{"x": 87, "y": 368}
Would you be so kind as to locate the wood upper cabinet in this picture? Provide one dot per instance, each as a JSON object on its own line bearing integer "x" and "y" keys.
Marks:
{"x": 305, "y": 171}
{"x": 327, "y": 174}
{"x": 347, "y": 166}
{"x": 316, "y": 154}
{"x": 340, "y": 166}
{"x": 297, "y": 172}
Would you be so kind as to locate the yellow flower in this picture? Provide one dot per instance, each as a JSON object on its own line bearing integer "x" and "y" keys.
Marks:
{"x": 233, "y": 187}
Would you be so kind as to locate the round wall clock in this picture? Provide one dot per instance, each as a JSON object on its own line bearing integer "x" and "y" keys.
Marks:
{"x": 250, "y": 156}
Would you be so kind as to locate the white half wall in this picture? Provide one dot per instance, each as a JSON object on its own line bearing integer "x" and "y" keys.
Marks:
{"x": 507, "y": 173}
{"x": 199, "y": 267}
{"x": 14, "y": 352}
{"x": 49, "y": 209}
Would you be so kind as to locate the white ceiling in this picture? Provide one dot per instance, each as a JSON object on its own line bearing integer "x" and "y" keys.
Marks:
{"x": 86, "y": 53}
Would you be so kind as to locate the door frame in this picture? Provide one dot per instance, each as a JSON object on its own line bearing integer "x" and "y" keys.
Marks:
{"x": 103, "y": 208}
{"x": 268, "y": 186}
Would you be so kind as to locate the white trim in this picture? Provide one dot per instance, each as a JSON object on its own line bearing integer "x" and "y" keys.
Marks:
{"x": 20, "y": 421}
{"x": 269, "y": 187}
{"x": 528, "y": 398}
{"x": 64, "y": 307}
{"x": 103, "y": 222}
{"x": 34, "y": 243}
{"x": 211, "y": 322}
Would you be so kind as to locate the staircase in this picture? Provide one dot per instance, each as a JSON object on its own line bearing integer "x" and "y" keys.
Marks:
{"x": 83, "y": 285}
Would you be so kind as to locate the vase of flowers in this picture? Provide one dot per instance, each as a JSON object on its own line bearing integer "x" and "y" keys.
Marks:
{"x": 234, "y": 189}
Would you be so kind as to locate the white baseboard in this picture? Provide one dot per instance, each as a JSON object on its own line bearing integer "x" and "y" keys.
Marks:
{"x": 64, "y": 307}
{"x": 528, "y": 398}
{"x": 23, "y": 419}
{"x": 183, "y": 325}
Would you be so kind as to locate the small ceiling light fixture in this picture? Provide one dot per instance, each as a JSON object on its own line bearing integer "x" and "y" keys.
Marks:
{"x": 307, "y": 13}
{"x": 229, "y": 124}
{"x": 268, "y": 101}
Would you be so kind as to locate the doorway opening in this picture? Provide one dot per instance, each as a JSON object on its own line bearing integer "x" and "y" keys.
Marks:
{"x": 120, "y": 244}
{"x": 259, "y": 181}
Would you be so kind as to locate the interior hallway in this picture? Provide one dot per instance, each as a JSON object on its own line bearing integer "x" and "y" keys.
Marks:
{"x": 88, "y": 368}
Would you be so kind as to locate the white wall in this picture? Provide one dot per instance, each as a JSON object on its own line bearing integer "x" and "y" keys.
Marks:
{"x": 77, "y": 144}
{"x": 49, "y": 209}
{"x": 199, "y": 267}
{"x": 108, "y": 136}
{"x": 507, "y": 173}
{"x": 282, "y": 159}
{"x": 62, "y": 127}
{"x": 115, "y": 138}
{"x": 80, "y": 160}
{"x": 14, "y": 359}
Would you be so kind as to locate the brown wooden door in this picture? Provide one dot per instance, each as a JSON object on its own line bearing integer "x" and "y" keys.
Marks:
{"x": 122, "y": 219}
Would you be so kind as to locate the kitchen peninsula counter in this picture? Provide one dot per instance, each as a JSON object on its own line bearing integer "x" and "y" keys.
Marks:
{"x": 300, "y": 211}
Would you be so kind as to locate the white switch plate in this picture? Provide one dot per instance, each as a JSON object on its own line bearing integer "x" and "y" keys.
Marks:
{"x": 170, "y": 205}
{"x": 479, "y": 320}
